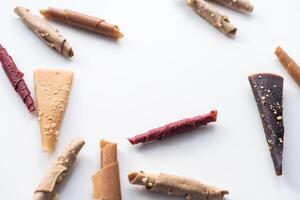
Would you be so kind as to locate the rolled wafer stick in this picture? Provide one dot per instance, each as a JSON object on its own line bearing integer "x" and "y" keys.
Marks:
{"x": 106, "y": 182}
{"x": 82, "y": 21}
{"x": 15, "y": 77}
{"x": 176, "y": 185}
{"x": 217, "y": 19}
{"x": 239, "y": 5}
{"x": 289, "y": 64}
{"x": 46, "y": 190}
{"x": 43, "y": 30}
{"x": 174, "y": 128}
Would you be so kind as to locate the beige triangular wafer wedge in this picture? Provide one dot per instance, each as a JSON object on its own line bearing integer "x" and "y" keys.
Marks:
{"x": 52, "y": 88}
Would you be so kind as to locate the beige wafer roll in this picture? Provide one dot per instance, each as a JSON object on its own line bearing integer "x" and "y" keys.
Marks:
{"x": 176, "y": 185}
{"x": 52, "y": 89}
{"x": 82, "y": 21}
{"x": 106, "y": 182}
{"x": 289, "y": 64}
{"x": 217, "y": 19}
{"x": 239, "y": 5}
{"x": 43, "y": 30}
{"x": 46, "y": 189}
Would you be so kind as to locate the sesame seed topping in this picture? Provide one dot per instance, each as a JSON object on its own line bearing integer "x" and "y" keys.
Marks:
{"x": 144, "y": 180}
{"x": 270, "y": 141}
{"x": 150, "y": 184}
{"x": 279, "y": 118}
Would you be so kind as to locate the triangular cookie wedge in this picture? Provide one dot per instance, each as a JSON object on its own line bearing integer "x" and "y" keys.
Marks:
{"x": 52, "y": 89}
{"x": 267, "y": 90}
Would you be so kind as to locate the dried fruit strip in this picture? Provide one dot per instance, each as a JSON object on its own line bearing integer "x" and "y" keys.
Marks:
{"x": 175, "y": 128}
{"x": 16, "y": 78}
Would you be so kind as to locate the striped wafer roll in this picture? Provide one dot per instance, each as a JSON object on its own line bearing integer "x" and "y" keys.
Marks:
{"x": 82, "y": 21}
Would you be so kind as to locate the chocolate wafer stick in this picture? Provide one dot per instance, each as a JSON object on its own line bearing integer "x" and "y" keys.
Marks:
{"x": 239, "y": 5}
{"x": 175, "y": 128}
{"x": 82, "y": 21}
{"x": 46, "y": 190}
{"x": 43, "y": 30}
{"x": 15, "y": 76}
{"x": 176, "y": 186}
{"x": 267, "y": 90}
{"x": 289, "y": 64}
{"x": 217, "y": 19}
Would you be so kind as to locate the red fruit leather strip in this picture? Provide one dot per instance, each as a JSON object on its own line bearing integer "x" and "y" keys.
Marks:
{"x": 16, "y": 78}
{"x": 175, "y": 128}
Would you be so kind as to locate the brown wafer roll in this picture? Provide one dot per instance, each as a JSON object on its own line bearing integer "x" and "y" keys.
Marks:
{"x": 217, "y": 19}
{"x": 106, "y": 182}
{"x": 82, "y": 21}
{"x": 46, "y": 190}
{"x": 239, "y": 5}
{"x": 176, "y": 185}
{"x": 46, "y": 32}
{"x": 289, "y": 64}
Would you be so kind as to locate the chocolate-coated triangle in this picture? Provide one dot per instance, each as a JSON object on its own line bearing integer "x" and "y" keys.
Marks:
{"x": 267, "y": 90}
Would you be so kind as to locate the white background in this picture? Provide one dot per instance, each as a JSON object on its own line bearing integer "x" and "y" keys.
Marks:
{"x": 171, "y": 64}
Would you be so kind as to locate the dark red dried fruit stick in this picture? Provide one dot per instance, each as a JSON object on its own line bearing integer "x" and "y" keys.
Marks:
{"x": 175, "y": 128}
{"x": 16, "y": 78}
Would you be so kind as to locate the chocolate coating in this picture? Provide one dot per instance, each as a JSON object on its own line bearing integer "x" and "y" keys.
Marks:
{"x": 267, "y": 90}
